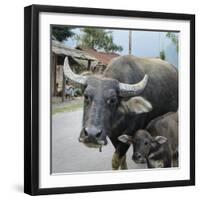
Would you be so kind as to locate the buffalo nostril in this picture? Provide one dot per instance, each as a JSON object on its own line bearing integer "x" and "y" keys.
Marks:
{"x": 139, "y": 156}
{"x": 92, "y": 132}
{"x": 98, "y": 134}
{"x": 85, "y": 131}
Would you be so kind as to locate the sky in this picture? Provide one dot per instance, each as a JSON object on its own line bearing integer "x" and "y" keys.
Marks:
{"x": 144, "y": 43}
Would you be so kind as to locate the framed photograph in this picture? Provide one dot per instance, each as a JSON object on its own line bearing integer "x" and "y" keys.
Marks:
{"x": 109, "y": 99}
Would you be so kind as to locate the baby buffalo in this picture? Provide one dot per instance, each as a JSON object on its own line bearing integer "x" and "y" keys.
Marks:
{"x": 158, "y": 144}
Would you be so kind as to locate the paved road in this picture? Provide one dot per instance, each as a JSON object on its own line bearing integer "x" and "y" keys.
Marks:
{"x": 68, "y": 155}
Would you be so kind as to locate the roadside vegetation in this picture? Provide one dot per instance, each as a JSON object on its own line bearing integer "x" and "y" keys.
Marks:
{"x": 67, "y": 107}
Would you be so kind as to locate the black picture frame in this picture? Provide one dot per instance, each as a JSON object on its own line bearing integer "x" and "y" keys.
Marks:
{"x": 31, "y": 98}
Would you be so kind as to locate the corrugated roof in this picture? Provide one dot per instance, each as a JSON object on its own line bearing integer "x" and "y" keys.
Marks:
{"x": 103, "y": 57}
{"x": 61, "y": 49}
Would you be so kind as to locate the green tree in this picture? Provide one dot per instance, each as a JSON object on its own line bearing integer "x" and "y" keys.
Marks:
{"x": 162, "y": 54}
{"x": 174, "y": 39}
{"x": 62, "y": 32}
{"x": 99, "y": 39}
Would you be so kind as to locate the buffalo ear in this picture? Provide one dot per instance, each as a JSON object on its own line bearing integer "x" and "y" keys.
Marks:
{"x": 160, "y": 139}
{"x": 127, "y": 139}
{"x": 136, "y": 105}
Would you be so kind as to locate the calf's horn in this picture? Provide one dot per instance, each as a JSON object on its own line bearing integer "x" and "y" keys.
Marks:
{"x": 71, "y": 75}
{"x": 128, "y": 90}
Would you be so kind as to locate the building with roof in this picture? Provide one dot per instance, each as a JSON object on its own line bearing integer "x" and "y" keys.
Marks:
{"x": 80, "y": 60}
{"x": 103, "y": 58}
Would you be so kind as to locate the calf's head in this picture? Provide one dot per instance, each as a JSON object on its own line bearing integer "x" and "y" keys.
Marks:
{"x": 103, "y": 97}
{"x": 143, "y": 143}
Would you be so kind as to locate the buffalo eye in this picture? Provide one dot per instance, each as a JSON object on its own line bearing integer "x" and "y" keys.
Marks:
{"x": 111, "y": 101}
{"x": 86, "y": 97}
{"x": 146, "y": 143}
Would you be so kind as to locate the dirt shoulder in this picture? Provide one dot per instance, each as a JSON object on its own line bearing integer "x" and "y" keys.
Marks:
{"x": 68, "y": 105}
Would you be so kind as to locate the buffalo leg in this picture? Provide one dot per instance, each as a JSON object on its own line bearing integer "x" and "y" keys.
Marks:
{"x": 119, "y": 157}
{"x": 124, "y": 163}
{"x": 175, "y": 159}
{"x": 116, "y": 161}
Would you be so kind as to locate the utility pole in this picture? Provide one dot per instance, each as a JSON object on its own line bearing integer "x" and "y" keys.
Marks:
{"x": 130, "y": 42}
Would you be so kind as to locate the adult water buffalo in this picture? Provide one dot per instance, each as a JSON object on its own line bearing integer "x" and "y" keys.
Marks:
{"x": 112, "y": 105}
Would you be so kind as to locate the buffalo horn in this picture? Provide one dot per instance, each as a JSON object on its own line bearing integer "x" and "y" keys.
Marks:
{"x": 128, "y": 90}
{"x": 71, "y": 75}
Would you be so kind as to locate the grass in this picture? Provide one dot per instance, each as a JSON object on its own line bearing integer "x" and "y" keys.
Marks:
{"x": 68, "y": 108}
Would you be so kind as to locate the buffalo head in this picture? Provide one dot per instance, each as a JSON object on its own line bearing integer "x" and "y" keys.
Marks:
{"x": 143, "y": 143}
{"x": 103, "y": 99}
